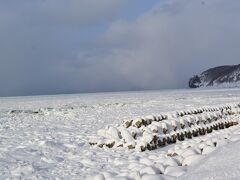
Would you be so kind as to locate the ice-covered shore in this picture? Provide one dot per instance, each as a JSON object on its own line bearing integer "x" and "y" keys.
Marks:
{"x": 47, "y": 136}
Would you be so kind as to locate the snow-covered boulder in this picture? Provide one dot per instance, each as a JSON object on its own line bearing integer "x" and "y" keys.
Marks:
{"x": 137, "y": 123}
{"x": 189, "y": 152}
{"x": 170, "y": 162}
{"x": 150, "y": 170}
{"x": 157, "y": 177}
{"x": 192, "y": 160}
{"x": 99, "y": 177}
{"x": 127, "y": 123}
{"x": 175, "y": 171}
{"x": 208, "y": 150}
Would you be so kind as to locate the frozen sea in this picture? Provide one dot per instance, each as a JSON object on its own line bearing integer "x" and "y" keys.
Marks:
{"x": 46, "y": 137}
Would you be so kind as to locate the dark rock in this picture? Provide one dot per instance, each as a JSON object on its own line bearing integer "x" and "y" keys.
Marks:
{"x": 216, "y": 76}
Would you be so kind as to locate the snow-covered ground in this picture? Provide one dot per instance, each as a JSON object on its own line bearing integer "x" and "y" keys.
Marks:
{"x": 221, "y": 165}
{"x": 47, "y": 136}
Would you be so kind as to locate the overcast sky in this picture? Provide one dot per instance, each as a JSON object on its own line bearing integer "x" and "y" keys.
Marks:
{"x": 76, "y": 46}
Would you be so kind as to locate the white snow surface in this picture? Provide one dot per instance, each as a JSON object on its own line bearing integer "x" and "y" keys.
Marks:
{"x": 53, "y": 143}
{"x": 222, "y": 165}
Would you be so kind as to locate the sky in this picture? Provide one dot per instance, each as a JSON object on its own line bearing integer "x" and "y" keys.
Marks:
{"x": 85, "y": 46}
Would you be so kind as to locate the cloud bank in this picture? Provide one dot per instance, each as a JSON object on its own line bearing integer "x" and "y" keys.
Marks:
{"x": 64, "y": 46}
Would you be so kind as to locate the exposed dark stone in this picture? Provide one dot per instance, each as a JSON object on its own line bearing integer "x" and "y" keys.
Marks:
{"x": 194, "y": 82}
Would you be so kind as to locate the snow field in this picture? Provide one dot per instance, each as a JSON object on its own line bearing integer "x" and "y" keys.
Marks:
{"x": 47, "y": 137}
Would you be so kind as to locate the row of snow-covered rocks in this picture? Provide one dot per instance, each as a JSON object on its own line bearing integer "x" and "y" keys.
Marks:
{"x": 152, "y": 132}
{"x": 138, "y": 122}
{"x": 173, "y": 163}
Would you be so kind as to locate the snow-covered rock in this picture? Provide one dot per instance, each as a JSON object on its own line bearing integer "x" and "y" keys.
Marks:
{"x": 175, "y": 171}
{"x": 150, "y": 170}
{"x": 189, "y": 152}
{"x": 208, "y": 150}
{"x": 170, "y": 162}
{"x": 192, "y": 160}
{"x": 157, "y": 177}
{"x": 99, "y": 177}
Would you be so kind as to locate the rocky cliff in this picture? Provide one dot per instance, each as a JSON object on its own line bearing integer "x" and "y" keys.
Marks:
{"x": 224, "y": 76}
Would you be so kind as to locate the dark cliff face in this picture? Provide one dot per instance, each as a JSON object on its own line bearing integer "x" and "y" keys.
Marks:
{"x": 194, "y": 82}
{"x": 216, "y": 76}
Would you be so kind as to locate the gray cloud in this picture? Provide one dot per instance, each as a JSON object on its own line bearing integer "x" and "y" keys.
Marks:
{"x": 80, "y": 11}
{"x": 63, "y": 12}
{"x": 37, "y": 37}
{"x": 170, "y": 43}
{"x": 58, "y": 46}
